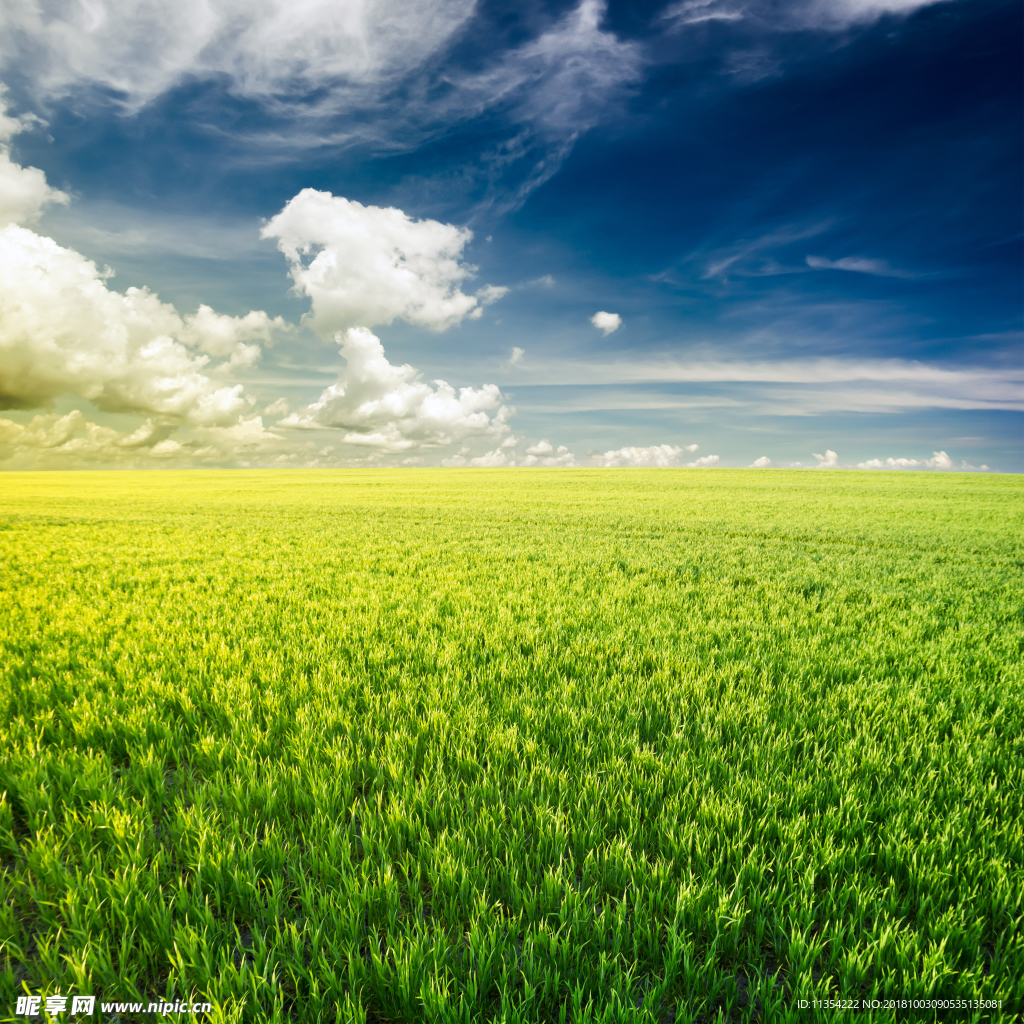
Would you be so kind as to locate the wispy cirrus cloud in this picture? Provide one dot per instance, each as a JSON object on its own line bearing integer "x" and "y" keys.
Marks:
{"x": 858, "y": 265}
{"x": 269, "y": 50}
{"x": 801, "y": 386}
{"x": 337, "y": 73}
{"x": 822, "y": 15}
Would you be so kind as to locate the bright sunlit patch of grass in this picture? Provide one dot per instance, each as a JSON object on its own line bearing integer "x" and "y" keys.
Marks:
{"x": 524, "y": 746}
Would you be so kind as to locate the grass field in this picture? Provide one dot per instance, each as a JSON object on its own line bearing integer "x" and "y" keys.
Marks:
{"x": 513, "y": 745}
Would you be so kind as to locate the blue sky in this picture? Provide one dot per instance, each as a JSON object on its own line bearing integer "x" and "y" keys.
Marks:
{"x": 803, "y": 218}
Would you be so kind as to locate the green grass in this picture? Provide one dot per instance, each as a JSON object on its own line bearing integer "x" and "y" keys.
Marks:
{"x": 513, "y": 745}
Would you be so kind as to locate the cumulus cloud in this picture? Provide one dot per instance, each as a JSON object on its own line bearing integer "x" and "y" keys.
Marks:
{"x": 69, "y": 441}
{"x": 388, "y": 408}
{"x": 489, "y": 460}
{"x": 659, "y": 455}
{"x": 231, "y": 337}
{"x": 368, "y": 265}
{"x": 279, "y": 407}
{"x": 761, "y": 463}
{"x": 63, "y": 331}
{"x": 828, "y": 460}
{"x": 656, "y": 455}
{"x": 606, "y": 322}
{"x": 24, "y": 192}
{"x": 939, "y": 460}
{"x": 543, "y": 453}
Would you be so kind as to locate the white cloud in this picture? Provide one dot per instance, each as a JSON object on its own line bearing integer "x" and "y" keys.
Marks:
{"x": 541, "y": 454}
{"x": 63, "y": 331}
{"x": 264, "y": 49}
{"x": 817, "y": 385}
{"x": 307, "y": 63}
{"x": 490, "y": 293}
{"x": 279, "y": 407}
{"x": 387, "y": 408}
{"x": 656, "y": 455}
{"x": 556, "y": 87}
{"x": 695, "y": 12}
{"x": 24, "y": 192}
{"x": 828, "y": 460}
{"x": 761, "y": 463}
{"x": 747, "y": 257}
{"x": 858, "y": 265}
{"x": 545, "y": 454}
{"x": 515, "y": 357}
{"x": 606, "y": 322}
{"x": 825, "y": 15}
{"x": 371, "y": 265}
{"x": 489, "y": 460}
{"x": 835, "y": 15}
{"x": 69, "y": 441}
{"x": 226, "y": 337}
{"x": 939, "y": 460}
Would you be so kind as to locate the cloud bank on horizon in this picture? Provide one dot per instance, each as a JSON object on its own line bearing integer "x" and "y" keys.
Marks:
{"x": 422, "y": 169}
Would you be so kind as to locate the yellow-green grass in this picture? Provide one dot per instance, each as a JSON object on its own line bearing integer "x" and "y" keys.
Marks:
{"x": 608, "y": 745}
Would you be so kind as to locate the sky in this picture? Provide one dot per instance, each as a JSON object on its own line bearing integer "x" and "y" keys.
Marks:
{"x": 702, "y": 233}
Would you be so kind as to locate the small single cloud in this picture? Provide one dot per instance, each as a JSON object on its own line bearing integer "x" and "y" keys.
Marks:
{"x": 278, "y": 408}
{"x": 515, "y": 358}
{"x": 366, "y": 265}
{"x": 828, "y": 460}
{"x": 761, "y": 463}
{"x": 703, "y": 462}
{"x": 540, "y": 448}
{"x": 490, "y": 293}
{"x": 606, "y": 322}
